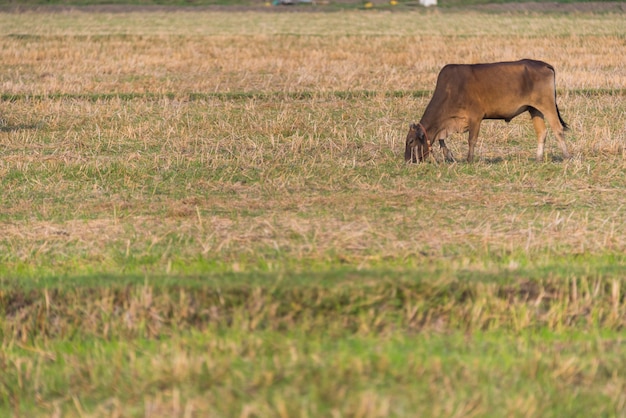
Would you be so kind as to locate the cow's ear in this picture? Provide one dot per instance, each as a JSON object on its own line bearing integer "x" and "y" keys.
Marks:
{"x": 421, "y": 134}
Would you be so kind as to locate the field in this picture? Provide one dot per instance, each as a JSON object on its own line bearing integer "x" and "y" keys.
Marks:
{"x": 207, "y": 213}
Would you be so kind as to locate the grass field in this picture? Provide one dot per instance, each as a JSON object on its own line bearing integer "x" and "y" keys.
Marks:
{"x": 208, "y": 214}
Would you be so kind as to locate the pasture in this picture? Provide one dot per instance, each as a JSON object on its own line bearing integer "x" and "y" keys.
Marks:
{"x": 208, "y": 213}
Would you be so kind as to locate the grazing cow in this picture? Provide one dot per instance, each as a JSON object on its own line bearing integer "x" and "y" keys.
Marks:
{"x": 467, "y": 94}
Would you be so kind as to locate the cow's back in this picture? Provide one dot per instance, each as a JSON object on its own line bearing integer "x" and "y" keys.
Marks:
{"x": 523, "y": 74}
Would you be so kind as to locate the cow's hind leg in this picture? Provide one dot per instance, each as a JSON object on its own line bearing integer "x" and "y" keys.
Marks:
{"x": 541, "y": 130}
{"x": 555, "y": 123}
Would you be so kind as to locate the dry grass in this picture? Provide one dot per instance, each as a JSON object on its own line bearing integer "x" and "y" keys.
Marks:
{"x": 225, "y": 63}
{"x": 228, "y": 177}
{"x": 212, "y": 23}
{"x": 99, "y": 53}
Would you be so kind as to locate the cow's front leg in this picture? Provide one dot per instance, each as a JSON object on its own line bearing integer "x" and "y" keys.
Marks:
{"x": 474, "y": 128}
{"x": 446, "y": 152}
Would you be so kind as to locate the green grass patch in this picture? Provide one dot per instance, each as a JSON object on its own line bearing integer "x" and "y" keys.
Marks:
{"x": 390, "y": 341}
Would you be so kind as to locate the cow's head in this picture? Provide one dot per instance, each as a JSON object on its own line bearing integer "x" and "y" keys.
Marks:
{"x": 417, "y": 146}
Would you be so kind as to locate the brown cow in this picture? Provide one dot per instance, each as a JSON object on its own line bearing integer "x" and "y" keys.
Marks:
{"x": 467, "y": 94}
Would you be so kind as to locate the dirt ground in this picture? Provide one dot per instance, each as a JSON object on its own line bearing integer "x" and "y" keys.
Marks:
{"x": 531, "y": 7}
{"x": 327, "y": 5}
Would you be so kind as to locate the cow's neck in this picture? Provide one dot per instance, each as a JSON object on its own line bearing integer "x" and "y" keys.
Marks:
{"x": 430, "y": 120}
{"x": 430, "y": 126}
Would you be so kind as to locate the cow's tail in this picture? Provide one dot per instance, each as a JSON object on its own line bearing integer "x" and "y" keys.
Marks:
{"x": 563, "y": 124}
